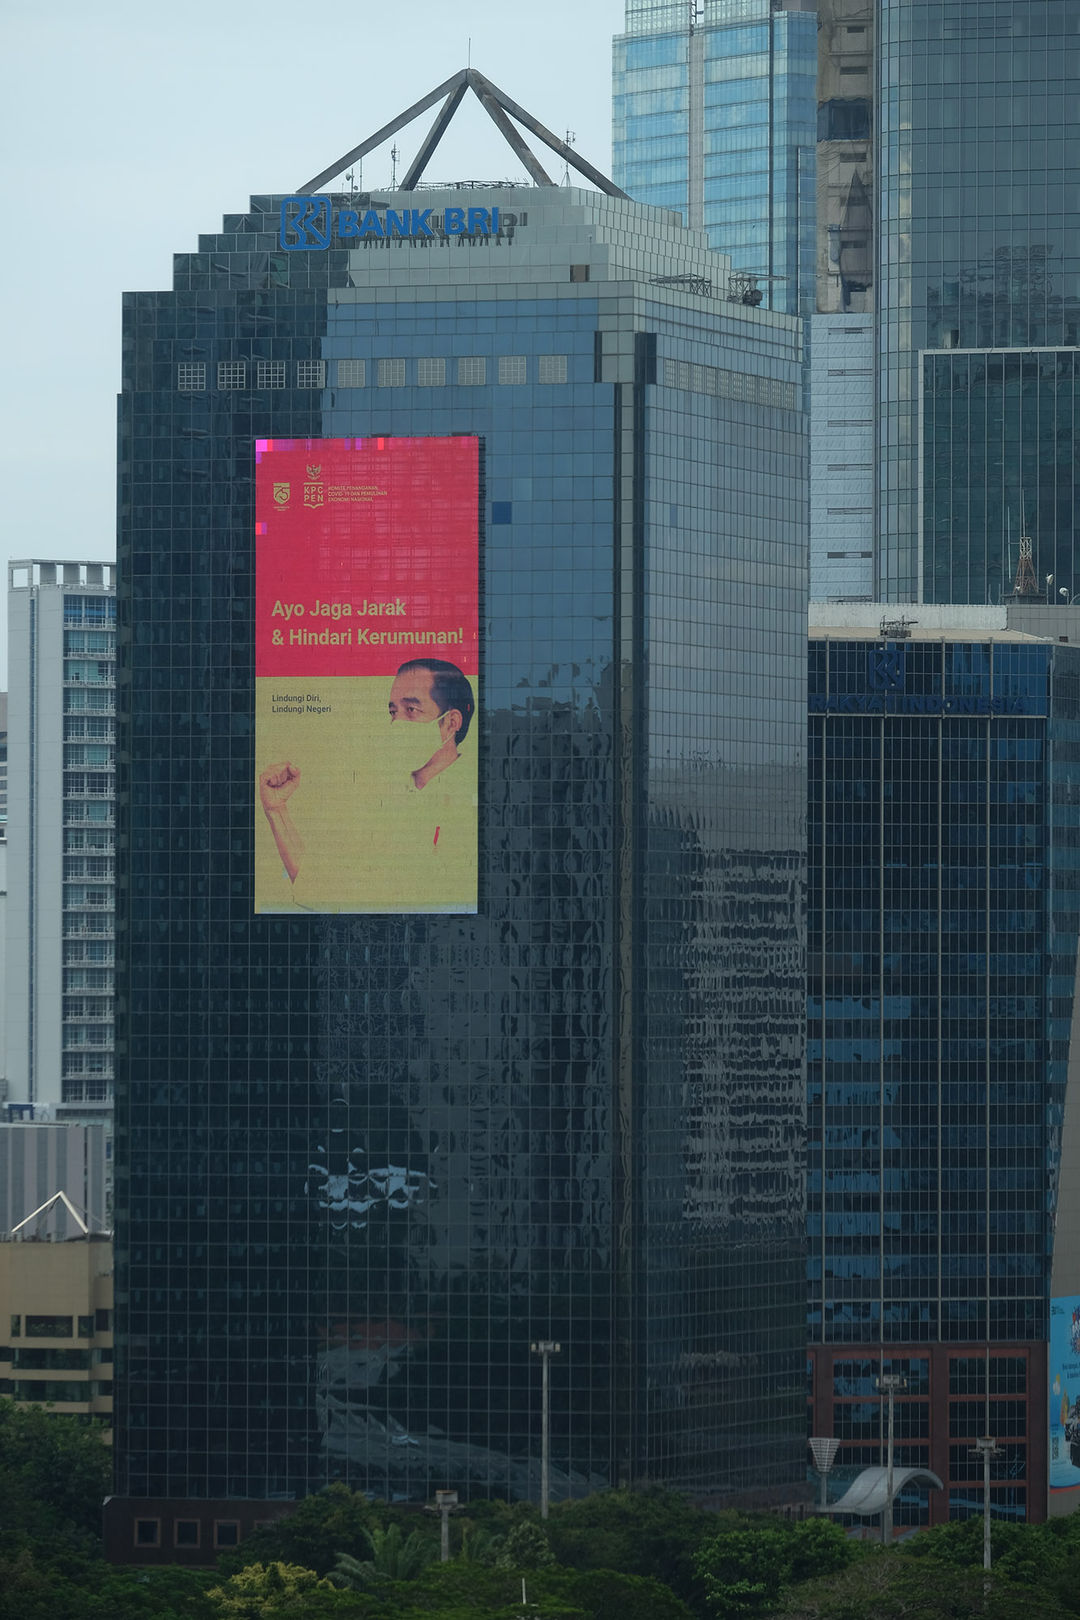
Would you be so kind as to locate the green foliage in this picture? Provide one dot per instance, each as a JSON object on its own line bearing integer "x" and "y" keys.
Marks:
{"x": 55, "y": 1472}
{"x": 605, "y": 1595}
{"x": 333, "y": 1521}
{"x": 353, "y": 1574}
{"x": 745, "y": 1570}
{"x": 887, "y": 1585}
{"x": 463, "y": 1591}
{"x": 393, "y": 1557}
{"x": 652, "y": 1533}
{"x": 751, "y": 1561}
{"x": 478, "y": 1544}
{"x": 264, "y": 1590}
{"x": 1026, "y": 1553}
{"x": 525, "y": 1546}
{"x": 35, "y": 1588}
{"x": 820, "y": 1547}
{"x": 616, "y": 1555}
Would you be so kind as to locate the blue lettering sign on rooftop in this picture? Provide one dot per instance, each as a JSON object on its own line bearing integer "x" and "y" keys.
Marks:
{"x": 312, "y": 223}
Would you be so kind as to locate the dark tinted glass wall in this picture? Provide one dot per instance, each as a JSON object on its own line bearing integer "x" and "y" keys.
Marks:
{"x": 364, "y": 1162}
{"x": 943, "y": 839}
{"x": 1000, "y": 458}
{"x": 979, "y": 247}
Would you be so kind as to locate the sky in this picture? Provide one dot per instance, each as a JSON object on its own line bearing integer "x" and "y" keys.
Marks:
{"x": 130, "y": 126}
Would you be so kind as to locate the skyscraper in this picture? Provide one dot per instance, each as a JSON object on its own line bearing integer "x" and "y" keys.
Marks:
{"x": 59, "y": 925}
{"x": 944, "y": 415}
{"x": 945, "y": 393}
{"x": 370, "y": 1147}
{"x": 978, "y": 315}
{"x": 943, "y": 925}
{"x": 715, "y": 116}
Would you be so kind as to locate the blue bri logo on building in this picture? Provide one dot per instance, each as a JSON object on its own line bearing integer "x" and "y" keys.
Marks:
{"x": 311, "y": 223}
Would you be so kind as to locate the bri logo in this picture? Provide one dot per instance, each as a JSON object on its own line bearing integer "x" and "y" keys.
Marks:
{"x": 305, "y": 222}
{"x": 886, "y": 669}
{"x": 309, "y": 223}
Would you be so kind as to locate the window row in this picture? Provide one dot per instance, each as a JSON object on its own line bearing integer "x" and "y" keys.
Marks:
{"x": 54, "y": 1391}
{"x": 469, "y": 371}
{"x": 80, "y": 610}
{"x": 187, "y": 1533}
{"x": 88, "y": 979}
{"x": 88, "y": 866}
{"x": 722, "y": 384}
{"x": 81, "y": 1066}
{"x": 88, "y": 1007}
{"x": 85, "y": 1091}
{"x": 56, "y": 1327}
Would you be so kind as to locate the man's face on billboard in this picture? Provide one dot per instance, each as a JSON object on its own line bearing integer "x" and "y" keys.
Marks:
{"x": 410, "y": 696}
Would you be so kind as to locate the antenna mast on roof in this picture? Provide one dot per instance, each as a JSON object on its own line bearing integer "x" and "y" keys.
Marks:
{"x": 570, "y": 139}
{"x": 1026, "y": 584}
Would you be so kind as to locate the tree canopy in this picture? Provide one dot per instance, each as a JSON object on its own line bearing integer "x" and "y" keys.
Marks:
{"x": 616, "y": 1555}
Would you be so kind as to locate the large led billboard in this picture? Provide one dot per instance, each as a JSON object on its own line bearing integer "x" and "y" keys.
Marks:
{"x": 366, "y": 664}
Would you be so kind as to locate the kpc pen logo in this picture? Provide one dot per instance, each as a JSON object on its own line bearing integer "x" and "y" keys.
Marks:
{"x": 305, "y": 223}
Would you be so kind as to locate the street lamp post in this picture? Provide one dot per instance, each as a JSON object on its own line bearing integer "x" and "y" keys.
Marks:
{"x": 824, "y": 1454}
{"x": 889, "y": 1384}
{"x": 545, "y": 1349}
{"x": 986, "y": 1447}
{"x": 445, "y": 1503}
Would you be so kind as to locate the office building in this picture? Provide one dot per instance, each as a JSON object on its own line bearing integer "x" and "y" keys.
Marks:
{"x": 944, "y": 913}
{"x": 367, "y": 1157}
{"x": 945, "y": 379}
{"x": 58, "y": 988}
{"x": 978, "y": 316}
{"x": 715, "y": 115}
{"x": 56, "y": 1297}
{"x": 754, "y": 120}
{"x": 54, "y": 1176}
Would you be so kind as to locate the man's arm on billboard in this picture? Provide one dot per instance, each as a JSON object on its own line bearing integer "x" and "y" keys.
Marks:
{"x": 277, "y": 784}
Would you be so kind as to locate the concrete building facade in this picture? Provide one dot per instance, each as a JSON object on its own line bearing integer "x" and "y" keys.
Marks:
{"x": 58, "y": 983}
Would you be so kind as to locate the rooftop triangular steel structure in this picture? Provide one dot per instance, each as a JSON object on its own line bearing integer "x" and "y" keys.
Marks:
{"x": 499, "y": 108}
{"x": 45, "y": 1208}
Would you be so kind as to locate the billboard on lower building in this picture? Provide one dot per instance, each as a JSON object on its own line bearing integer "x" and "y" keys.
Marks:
{"x": 1064, "y": 1415}
{"x": 366, "y": 666}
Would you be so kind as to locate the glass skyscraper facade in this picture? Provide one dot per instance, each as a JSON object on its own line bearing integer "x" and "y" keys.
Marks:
{"x": 363, "y": 1162}
{"x": 1000, "y": 459}
{"x": 941, "y": 233}
{"x": 717, "y": 118}
{"x": 942, "y": 944}
{"x": 979, "y": 251}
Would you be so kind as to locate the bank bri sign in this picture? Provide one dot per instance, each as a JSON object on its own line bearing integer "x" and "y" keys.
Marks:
{"x": 309, "y": 224}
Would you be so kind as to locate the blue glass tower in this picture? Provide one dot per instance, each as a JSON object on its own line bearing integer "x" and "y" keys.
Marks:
{"x": 715, "y": 115}
{"x": 944, "y": 256}
{"x": 362, "y": 1162}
